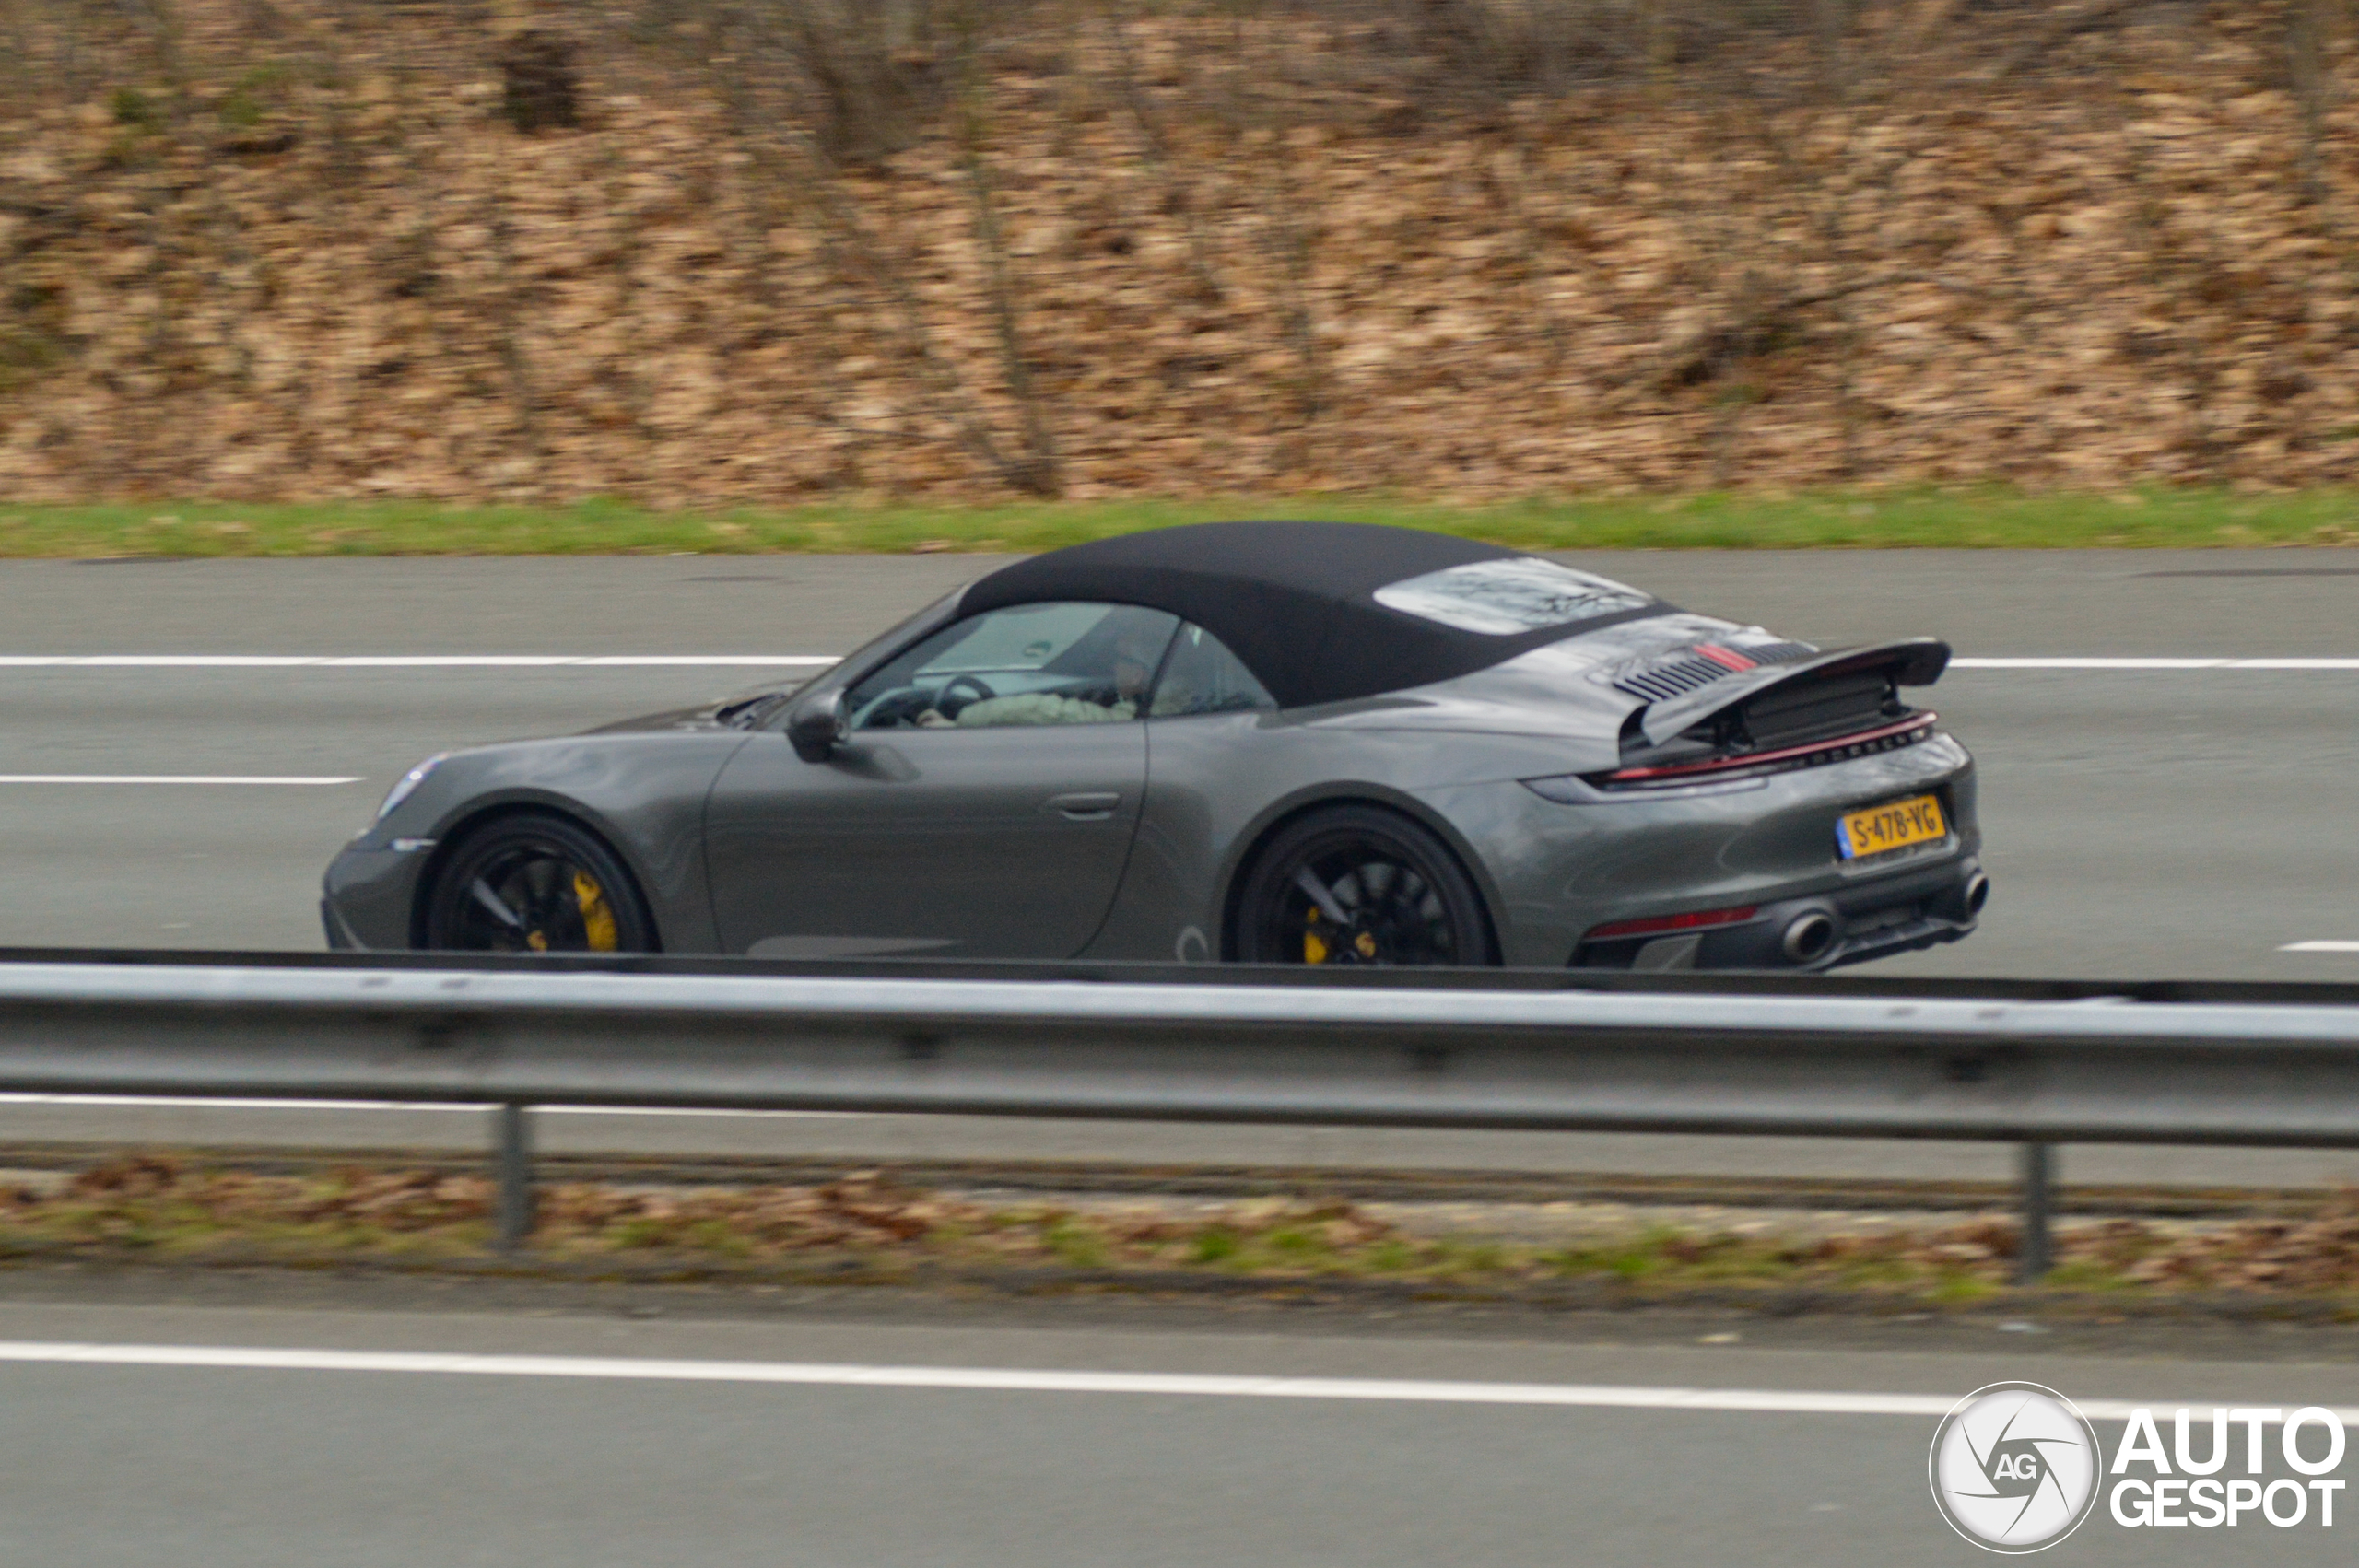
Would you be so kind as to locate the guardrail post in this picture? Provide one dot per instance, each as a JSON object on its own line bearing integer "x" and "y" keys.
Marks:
{"x": 515, "y": 1209}
{"x": 2032, "y": 1257}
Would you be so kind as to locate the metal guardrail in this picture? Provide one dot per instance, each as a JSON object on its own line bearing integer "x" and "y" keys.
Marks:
{"x": 2033, "y": 1072}
{"x": 1841, "y": 983}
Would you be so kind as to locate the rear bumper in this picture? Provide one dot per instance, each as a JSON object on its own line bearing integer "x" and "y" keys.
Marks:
{"x": 1895, "y": 914}
{"x": 1558, "y": 870}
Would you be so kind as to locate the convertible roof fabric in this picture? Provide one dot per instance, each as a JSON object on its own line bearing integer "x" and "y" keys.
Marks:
{"x": 1295, "y": 601}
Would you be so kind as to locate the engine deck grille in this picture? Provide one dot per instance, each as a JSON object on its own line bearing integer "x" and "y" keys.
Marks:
{"x": 1659, "y": 680}
{"x": 1813, "y": 709}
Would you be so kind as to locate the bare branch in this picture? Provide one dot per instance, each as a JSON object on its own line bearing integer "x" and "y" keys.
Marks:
{"x": 1038, "y": 472}
{"x": 1156, "y": 149}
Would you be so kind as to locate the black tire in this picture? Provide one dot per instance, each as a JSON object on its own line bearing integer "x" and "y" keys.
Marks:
{"x": 536, "y": 884}
{"x": 1404, "y": 898}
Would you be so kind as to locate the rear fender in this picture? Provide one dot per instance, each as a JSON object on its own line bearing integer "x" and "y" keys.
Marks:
{"x": 1250, "y": 845}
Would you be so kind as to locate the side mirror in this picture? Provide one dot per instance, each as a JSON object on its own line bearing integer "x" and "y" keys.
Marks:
{"x": 817, "y": 726}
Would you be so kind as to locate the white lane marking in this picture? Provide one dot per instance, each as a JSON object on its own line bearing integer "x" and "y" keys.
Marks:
{"x": 2320, "y": 947}
{"x": 1028, "y": 1380}
{"x": 401, "y": 661}
{"x": 612, "y": 661}
{"x": 192, "y": 1102}
{"x": 813, "y": 661}
{"x": 439, "y": 660}
{"x": 168, "y": 779}
{"x": 698, "y": 1111}
{"x": 2096, "y": 663}
{"x": 234, "y": 661}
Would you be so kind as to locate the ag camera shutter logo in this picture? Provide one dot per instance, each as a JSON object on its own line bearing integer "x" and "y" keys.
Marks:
{"x": 2015, "y": 1467}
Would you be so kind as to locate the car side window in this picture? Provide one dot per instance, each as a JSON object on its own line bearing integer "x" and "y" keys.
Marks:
{"x": 1200, "y": 675}
{"x": 1054, "y": 663}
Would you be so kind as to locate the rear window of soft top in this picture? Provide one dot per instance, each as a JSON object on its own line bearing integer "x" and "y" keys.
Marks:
{"x": 1520, "y": 593}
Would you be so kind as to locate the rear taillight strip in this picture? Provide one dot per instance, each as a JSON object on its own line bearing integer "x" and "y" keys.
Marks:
{"x": 1867, "y": 742}
{"x": 1701, "y": 919}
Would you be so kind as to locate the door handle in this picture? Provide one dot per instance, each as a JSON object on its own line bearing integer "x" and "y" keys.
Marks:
{"x": 1087, "y": 806}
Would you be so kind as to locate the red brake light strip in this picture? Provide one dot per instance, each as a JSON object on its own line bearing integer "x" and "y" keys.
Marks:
{"x": 1687, "y": 923}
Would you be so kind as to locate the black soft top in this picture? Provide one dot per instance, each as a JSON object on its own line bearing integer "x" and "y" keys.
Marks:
{"x": 1296, "y": 601}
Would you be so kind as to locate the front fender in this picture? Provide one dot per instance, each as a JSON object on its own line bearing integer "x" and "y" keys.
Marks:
{"x": 644, "y": 793}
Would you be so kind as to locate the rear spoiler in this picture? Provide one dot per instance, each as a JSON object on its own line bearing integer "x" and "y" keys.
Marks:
{"x": 1916, "y": 661}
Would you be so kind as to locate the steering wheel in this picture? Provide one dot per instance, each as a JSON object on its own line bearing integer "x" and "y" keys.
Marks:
{"x": 983, "y": 691}
{"x": 892, "y": 710}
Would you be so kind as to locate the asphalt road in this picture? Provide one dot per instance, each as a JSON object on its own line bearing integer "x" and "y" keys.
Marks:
{"x": 2146, "y": 823}
{"x": 581, "y": 1464}
{"x": 2141, "y": 823}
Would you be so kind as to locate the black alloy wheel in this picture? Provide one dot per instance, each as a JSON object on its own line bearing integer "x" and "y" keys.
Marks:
{"x": 1360, "y": 886}
{"x": 536, "y": 884}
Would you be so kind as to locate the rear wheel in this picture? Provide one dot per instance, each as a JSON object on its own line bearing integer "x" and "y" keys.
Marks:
{"x": 1359, "y": 885}
{"x": 536, "y": 884}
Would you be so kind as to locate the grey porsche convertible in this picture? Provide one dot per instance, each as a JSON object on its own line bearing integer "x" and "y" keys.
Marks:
{"x": 1268, "y": 742}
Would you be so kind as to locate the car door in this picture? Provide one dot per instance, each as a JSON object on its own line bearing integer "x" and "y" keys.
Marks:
{"x": 980, "y": 804}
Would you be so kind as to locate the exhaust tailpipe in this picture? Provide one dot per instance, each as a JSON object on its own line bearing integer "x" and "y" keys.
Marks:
{"x": 1977, "y": 893}
{"x": 1808, "y": 937}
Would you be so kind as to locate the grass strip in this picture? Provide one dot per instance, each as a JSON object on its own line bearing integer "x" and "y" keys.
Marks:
{"x": 1955, "y": 519}
{"x": 870, "y": 1228}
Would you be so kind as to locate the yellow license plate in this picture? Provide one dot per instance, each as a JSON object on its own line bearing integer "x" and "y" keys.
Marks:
{"x": 1917, "y": 820}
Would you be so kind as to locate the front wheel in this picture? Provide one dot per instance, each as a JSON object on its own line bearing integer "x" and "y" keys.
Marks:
{"x": 1355, "y": 884}
{"x": 536, "y": 884}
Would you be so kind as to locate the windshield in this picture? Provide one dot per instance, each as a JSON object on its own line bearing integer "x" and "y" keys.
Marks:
{"x": 1026, "y": 636}
{"x": 1523, "y": 593}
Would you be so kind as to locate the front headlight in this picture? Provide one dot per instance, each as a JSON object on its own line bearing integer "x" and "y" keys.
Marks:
{"x": 408, "y": 783}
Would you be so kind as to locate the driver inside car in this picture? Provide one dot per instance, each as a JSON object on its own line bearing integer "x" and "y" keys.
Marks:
{"x": 1135, "y": 658}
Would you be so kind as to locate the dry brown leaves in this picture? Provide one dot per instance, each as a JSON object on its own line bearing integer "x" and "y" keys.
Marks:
{"x": 2319, "y": 1254}
{"x": 363, "y": 281}
{"x": 158, "y": 1202}
{"x": 159, "y": 1198}
{"x": 388, "y": 1201}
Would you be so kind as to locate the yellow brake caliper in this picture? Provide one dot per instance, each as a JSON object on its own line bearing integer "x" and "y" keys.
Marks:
{"x": 1314, "y": 951}
{"x": 597, "y": 914}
